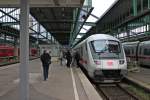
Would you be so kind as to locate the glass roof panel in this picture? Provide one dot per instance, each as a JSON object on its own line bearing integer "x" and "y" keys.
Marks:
{"x": 86, "y": 27}
{"x": 16, "y": 26}
{"x": 7, "y": 10}
{"x": 91, "y": 19}
{"x": 100, "y": 7}
{"x": 79, "y": 36}
{"x": 83, "y": 31}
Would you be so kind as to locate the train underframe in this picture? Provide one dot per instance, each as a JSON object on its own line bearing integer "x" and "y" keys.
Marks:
{"x": 108, "y": 76}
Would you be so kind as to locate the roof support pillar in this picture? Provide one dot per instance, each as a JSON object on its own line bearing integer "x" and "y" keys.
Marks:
{"x": 38, "y": 33}
{"x": 142, "y": 6}
{"x": 134, "y": 7}
{"x": 148, "y": 4}
{"x": 24, "y": 50}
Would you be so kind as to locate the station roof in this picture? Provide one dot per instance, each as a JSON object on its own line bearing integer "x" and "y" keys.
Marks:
{"x": 111, "y": 16}
{"x": 57, "y": 20}
{"x": 56, "y": 16}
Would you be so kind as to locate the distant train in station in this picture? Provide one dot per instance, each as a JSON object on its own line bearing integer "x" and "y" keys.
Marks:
{"x": 103, "y": 58}
{"x": 7, "y": 51}
{"x": 138, "y": 51}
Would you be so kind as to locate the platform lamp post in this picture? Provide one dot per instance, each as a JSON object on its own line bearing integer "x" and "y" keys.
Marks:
{"x": 24, "y": 50}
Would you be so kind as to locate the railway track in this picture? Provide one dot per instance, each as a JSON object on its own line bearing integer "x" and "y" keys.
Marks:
{"x": 115, "y": 92}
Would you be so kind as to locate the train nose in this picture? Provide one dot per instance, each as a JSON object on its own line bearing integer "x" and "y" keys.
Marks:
{"x": 110, "y": 64}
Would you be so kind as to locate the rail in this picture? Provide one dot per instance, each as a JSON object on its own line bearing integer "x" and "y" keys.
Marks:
{"x": 115, "y": 92}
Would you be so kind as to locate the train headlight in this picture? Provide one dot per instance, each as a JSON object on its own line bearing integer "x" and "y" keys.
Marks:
{"x": 121, "y": 62}
{"x": 97, "y": 62}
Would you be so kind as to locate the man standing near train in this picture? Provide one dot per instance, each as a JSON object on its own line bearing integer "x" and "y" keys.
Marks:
{"x": 69, "y": 58}
{"x": 46, "y": 60}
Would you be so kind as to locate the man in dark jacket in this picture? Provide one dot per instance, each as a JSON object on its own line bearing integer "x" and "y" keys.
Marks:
{"x": 69, "y": 58}
{"x": 46, "y": 60}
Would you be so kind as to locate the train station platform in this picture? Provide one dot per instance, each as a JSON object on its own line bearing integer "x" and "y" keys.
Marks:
{"x": 63, "y": 83}
{"x": 140, "y": 77}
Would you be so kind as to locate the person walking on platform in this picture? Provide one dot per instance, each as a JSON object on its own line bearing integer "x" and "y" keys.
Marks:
{"x": 46, "y": 60}
{"x": 61, "y": 58}
{"x": 69, "y": 58}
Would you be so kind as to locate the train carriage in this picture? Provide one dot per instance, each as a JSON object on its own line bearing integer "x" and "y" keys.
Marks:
{"x": 103, "y": 57}
{"x": 141, "y": 52}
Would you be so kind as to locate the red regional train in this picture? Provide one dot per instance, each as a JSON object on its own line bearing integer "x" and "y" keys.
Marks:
{"x": 7, "y": 51}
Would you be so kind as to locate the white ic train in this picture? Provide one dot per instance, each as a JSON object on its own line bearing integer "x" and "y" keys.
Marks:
{"x": 103, "y": 58}
{"x": 138, "y": 51}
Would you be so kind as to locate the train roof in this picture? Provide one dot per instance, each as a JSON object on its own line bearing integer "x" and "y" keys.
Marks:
{"x": 130, "y": 43}
{"x": 101, "y": 37}
{"x": 136, "y": 42}
{"x": 98, "y": 37}
{"x": 145, "y": 42}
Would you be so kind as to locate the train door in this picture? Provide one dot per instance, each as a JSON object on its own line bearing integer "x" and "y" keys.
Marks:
{"x": 83, "y": 56}
{"x": 140, "y": 54}
{"x": 146, "y": 55}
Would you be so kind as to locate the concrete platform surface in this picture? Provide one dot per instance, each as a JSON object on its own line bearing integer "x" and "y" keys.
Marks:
{"x": 63, "y": 83}
{"x": 141, "y": 77}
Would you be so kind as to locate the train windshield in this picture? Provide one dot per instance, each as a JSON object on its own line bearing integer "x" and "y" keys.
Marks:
{"x": 106, "y": 49}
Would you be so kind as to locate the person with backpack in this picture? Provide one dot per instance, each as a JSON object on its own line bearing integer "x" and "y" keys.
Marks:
{"x": 46, "y": 61}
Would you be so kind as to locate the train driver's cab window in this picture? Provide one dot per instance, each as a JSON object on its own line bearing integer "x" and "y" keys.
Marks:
{"x": 99, "y": 46}
{"x": 113, "y": 47}
{"x": 106, "y": 46}
{"x": 106, "y": 49}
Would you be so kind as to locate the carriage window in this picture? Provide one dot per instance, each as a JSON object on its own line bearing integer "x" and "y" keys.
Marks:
{"x": 146, "y": 51}
{"x": 127, "y": 51}
{"x": 132, "y": 50}
{"x": 140, "y": 52}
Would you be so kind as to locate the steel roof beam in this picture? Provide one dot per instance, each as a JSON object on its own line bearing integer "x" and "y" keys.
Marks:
{"x": 83, "y": 22}
{"x": 9, "y": 23}
{"x": 56, "y": 2}
{"x": 67, "y": 21}
{"x": 44, "y": 3}
{"x": 9, "y": 13}
{"x": 59, "y": 31}
{"x": 90, "y": 14}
